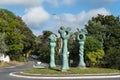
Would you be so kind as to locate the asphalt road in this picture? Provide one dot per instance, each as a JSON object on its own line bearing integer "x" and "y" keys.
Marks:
{"x": 4, "y": 73}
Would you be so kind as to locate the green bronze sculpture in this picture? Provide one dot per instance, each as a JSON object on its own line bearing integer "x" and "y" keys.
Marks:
{"x": 65, "y": 34}
{"x": 52, "y": 40}
{"x": 81, "y": 38}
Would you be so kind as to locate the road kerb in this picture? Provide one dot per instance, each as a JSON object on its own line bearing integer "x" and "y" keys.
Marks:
{"x": 66, "y": 77}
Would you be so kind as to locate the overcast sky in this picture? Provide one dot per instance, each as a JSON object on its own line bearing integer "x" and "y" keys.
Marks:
{"x": 42, "y": 15}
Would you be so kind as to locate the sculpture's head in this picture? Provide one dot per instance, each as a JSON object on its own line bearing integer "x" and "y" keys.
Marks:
{"x": 82, "y": 34}
{"x": 52, "y": 38}
{"x": 65, "y": 32}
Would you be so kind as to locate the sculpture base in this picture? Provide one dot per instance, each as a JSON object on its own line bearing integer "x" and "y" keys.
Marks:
{"x": 81, "y": 64}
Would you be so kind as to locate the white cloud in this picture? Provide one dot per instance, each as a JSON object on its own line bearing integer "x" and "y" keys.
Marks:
{"x": 76, "y": 21}
{"x": 97, "y": 3}
{"x": 58, "y": 3}
{"x": 31, "y": 3}
{"x": 21, "y": 2}
{"x": 53, "y": 2}
{"x": 35, "y": 17}
{"x": 104, "y": 1}
{"x": 68, "y": 2}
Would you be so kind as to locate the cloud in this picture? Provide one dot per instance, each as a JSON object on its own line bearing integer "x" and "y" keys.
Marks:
{"x": 75, "y": 21}
{"x": 53, "y": 2}
{"x": 35, "y": 17}
{"x": 104, "y": 1}
{"x": 28, "y": 3}
{"x": 20, "y": 2}
{"x": 69, "y": 2}
{"x": 97, "y": 3}
{"x": 59, "y": 3}
{"x": 33, "y": 3}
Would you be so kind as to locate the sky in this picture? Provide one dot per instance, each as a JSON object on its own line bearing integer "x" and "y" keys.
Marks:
{"x": 41, "y": 15}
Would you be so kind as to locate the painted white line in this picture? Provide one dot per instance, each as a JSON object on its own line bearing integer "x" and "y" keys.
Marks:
{"x": 72, "y": 77}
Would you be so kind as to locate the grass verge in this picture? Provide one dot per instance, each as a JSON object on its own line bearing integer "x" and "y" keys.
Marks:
{"x": 4, "y": 64}
{"x": 72, "y": 71}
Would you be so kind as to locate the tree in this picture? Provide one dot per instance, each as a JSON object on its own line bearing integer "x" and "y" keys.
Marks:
{"x": 29, "y": 38}
{"x": 73, "y": 48}
{"x": 92, "y": 51}
{"x": 92, "y": 44}
{"x": 18, "y": 36}
{"x": 3, "y": 47}
{"x": 106, "y": 29}
{"x": 95, "y": 58}
{"x": 42, "y": 46}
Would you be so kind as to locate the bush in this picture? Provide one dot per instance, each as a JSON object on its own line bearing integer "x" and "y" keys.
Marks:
{"x": 95, "y": 58}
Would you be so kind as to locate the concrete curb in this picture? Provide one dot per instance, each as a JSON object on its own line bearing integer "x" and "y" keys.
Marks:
{"x": 98, "y": 76}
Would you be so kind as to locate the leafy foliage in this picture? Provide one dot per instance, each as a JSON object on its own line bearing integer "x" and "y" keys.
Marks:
{"x": 42, "y": 46}
{"x": 18, "y": 36}
{"x": 3, "y": 47}
{"x": 73, "y": 47}
{"x": 92, "y": 44}
{"x": 106, "y": 29}
{"x": 95, "y": 58}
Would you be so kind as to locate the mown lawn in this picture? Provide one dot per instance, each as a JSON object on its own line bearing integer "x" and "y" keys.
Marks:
{"x": 72, "y": 71}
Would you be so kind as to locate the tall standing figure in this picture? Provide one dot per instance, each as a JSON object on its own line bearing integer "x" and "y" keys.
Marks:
{"x": 81, "y": 38}
{"x": 52, "y": 43}
{"x": 65, "y": 34}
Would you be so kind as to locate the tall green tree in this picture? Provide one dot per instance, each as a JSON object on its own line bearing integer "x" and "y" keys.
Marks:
{"x": 3, "y": 46}
{"x": 17, "y": 34}
{"x": 92, "y": 44}
{"x": 41, "y": 48}
{"x": 106, "y": 29}
{"x": 29, "y": 38}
